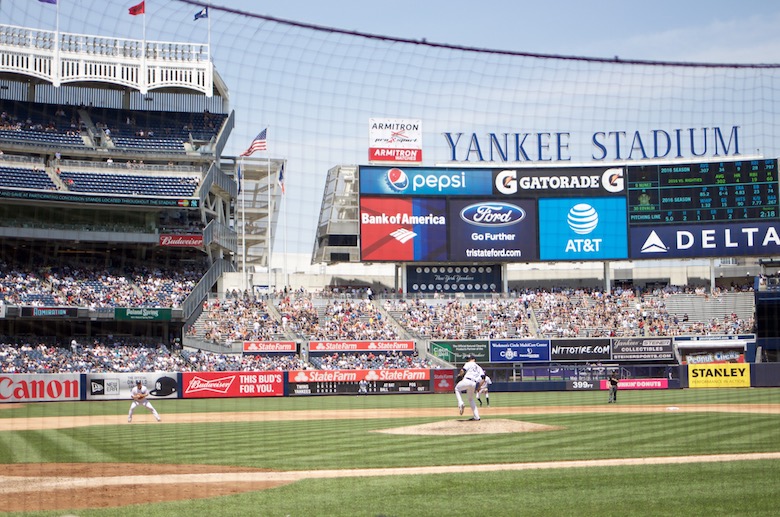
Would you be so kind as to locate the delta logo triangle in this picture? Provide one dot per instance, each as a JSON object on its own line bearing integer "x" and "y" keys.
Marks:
{"x": 654, "y": 244}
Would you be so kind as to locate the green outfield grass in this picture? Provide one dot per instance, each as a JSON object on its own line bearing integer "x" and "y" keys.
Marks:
{"x": 736, "y": 488}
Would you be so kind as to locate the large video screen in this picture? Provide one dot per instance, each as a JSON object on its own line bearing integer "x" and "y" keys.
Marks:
{"x": 489, "y": 215}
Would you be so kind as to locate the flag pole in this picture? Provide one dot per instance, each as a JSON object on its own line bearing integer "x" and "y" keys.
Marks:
{"x": 208, "y": 19}
{"x": 242, "y": 193}
{"x": 284, "y": 231}
{"x": 270, "y": 217}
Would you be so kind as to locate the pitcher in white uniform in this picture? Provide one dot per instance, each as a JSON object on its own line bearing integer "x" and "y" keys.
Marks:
{"x": 472, "y": 375}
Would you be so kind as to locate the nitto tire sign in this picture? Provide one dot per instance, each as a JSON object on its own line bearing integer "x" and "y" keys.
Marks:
{"x": 579, "y": 350}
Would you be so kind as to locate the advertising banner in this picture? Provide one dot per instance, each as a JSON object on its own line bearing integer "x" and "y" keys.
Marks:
{"x": 519, "y": 350}
{"x": 443, "y": 381}
{"x": 394, "y": 140}
{"x": 457, "y": 351}
{"x": 582, "y": 229}
{"x": 33, "y": 387}
{"x": 402, "y": 229}
{"x": 560, "y": 182}
{"x": 144, "y": 314}
{"x": 642, "y": 349}
{"x": 637, "y": 384}
{"x": 719, "y": 375}
{"x": 453, "y": 279}
{"x": 113, "y": 386}
{"x": 705, "y": 240}
{"x": 490, "y": 230}
{"x": 425, "y": 181}
{"x": 49, "y": 312}
{"x": 270, "y": 347}
{"x": 182, "y": 241}
{"x": 232, "y": 384}
{"x": 325, "y": 382}
{"x": 591, "y": 350}
{"x": 358, "y": 346}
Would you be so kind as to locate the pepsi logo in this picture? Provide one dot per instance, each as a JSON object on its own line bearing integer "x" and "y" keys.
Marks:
{"x": 397, "y": 179}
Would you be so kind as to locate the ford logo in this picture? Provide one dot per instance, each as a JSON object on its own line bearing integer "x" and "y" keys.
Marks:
{"x": 492, "y": 214}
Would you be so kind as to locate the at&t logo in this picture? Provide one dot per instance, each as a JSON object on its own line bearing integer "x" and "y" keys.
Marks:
{"x": 582, "y": 220}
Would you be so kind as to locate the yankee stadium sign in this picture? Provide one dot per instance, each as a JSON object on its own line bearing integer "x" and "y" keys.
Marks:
{"x": 658, "y": 143}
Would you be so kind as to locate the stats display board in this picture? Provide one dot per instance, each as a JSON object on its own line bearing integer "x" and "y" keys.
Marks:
{"x": 703, "y": 193}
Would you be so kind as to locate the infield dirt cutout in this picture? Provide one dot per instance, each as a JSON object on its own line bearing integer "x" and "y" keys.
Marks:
{"x": 56, "y": 486}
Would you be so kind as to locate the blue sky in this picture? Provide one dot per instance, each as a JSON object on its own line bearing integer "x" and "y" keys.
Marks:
{"x": 315, "y": 91}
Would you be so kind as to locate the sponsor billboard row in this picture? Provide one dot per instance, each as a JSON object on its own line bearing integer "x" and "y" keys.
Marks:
{"x": 447, "y": 214}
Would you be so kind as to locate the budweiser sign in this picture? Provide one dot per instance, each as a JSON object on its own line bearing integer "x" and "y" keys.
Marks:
{"x": 192, "y": 241}
{"x": 220, "y": 385}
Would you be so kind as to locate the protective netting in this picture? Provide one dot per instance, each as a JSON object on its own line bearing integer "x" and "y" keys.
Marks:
{"x": 315, "y": 89}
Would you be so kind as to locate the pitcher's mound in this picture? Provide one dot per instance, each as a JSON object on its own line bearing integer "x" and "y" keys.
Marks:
{"x": 484, "y": 426}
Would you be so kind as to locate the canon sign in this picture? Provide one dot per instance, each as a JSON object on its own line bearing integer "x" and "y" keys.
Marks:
{"x": 39, "y": 388}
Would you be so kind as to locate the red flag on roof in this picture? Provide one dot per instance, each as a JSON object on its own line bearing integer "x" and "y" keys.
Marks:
{"x": 138, "y": 9}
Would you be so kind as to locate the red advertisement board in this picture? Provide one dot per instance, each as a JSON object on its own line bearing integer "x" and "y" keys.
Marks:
{"x": 390, "y": 155}
{"x": 232, "y": 384}
{"x": 444, "y": 381}
{"x": 411, "y": 374}
{"x": 357, "y": 346}
{"x": 638, "y": 384}
{"x": 259, "y": 347}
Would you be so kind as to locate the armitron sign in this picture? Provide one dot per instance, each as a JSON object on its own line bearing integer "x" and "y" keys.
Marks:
{"x": 182, "y": 241}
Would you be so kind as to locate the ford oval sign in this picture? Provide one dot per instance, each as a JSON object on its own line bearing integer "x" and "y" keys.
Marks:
{"x": 492, "y": 214}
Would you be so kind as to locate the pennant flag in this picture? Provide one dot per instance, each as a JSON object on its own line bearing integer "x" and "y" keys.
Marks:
{"x": 48, "y": 1}
{"x": 238, "y": 178}
{"x": 138, "y": 9}
{"x": 258, "y": 144}
{"x": 281, "y": 177}
{"x": 203, "y": 13}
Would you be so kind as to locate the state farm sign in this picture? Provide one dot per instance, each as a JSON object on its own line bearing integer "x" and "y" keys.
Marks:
{"x": 40, "y": 387}
{"x": 183, "y": 241}
{"x": 349, "y": 346}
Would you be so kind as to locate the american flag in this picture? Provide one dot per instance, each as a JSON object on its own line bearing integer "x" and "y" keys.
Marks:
{"x": 258, "y": 144}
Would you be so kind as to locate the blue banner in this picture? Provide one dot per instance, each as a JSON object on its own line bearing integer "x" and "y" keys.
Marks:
{"x": 582, "y": 229}
{"x": 519, "y": 350}
{"x": 705, "y": 240}
{"x": 419, "y": 181}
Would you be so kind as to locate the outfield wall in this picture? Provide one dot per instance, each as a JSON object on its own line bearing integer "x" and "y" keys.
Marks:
{"x": 174, "y": 385}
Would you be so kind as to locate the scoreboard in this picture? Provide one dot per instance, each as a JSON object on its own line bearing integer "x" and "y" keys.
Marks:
{"x": 702, "y": 192}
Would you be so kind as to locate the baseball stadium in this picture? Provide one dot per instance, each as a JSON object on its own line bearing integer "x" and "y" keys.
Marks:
{"x": 256, "y": 266}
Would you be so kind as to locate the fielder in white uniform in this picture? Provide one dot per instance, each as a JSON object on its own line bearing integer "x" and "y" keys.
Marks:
{"x": 139, "y": 395}
{"x": 472, "y": 375}
{"x": 483, "y": 388}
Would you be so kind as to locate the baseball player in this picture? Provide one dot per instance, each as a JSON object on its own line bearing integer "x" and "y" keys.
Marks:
{"x": 139, "y": 395}
{"x": 469, "y": 378}
{"x": 483, "y": 388}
